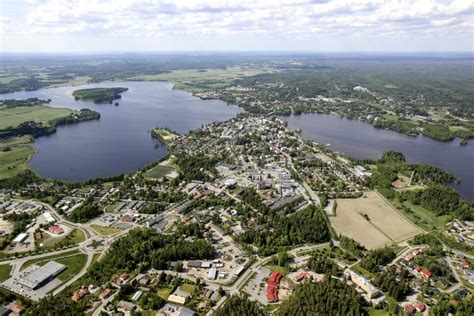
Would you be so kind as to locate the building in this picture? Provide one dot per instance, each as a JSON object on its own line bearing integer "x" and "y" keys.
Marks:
{"x": 137, "y": 295}
{"x": 55, "y": 229}
{"x": 363, "y": 283}
{"x": 78, "y": 295}
{"x": 425, "y": 273}
{"x": 41, "y": 275}
{"x": 409, "y": 309}
{"x": 175, "y": 310}
{"x": 20, "y": 238}
{"x": 272, "y": 287}
{"x": 177, "y": 299}
{"x": 212, "y": 274}
{"x": 105, "y": 294}
{"x": 239, "y": 270}
{"x": 49, "y": 218}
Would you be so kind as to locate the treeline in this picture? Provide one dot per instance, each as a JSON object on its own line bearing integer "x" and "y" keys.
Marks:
{"x": 306, "y": 226}
{"x": 195, "y": 167}
{"x": 446, "y": 306}
{"x": 240, "y": 305}
{"x": 141, "y": 248}
{"x": 331, "y": 297}
{"x": 323, "y": 265}
{"x": 85, "y": 213}
{"x": 13, "y": 103}
{"x": 441, "y": 200}
{"x": 351, "y": 245}
{"x": 376, "y": 258}
{"x": 396, "y": 287}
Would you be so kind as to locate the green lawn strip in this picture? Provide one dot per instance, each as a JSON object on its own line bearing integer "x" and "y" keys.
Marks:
{"x": 5, "y": 270}
{"x": 48, "y": 258}
{"x": 105, "y": 230}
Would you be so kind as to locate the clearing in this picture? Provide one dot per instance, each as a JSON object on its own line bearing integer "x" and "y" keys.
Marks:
{"x": 102, "y": 230}
{"x": 371, "y": 221}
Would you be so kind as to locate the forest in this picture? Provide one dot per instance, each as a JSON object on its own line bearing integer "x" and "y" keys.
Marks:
{"x": 240, "y": 305}
{"x": 99, "y": 95}
{"x": 306, "y": 226}
{"x": 330, "y": 297}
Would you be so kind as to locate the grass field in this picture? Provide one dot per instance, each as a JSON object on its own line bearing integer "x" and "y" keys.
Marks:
{"x": 74, "y": 265}
{"x": 14, "y": 161}
{"x": 47, "y": 258}
{"x": 39, "y": 113}
{"x": 105, "y": 230}
{"x": 186, "y": 287}
{"x": 164, "y": 292}
{"x": 5, "y": 270}
{"x": 75, "y": 237}
{"x": 282, "y": 270}
{"x": 159, "y": 171}
{"x": 385, "y": 225}
{"x": 423, "y": 217}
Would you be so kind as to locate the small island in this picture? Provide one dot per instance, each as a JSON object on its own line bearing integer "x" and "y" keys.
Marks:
{"x": 99, "y": 95}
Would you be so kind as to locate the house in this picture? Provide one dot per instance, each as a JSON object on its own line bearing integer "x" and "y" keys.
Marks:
{"x": 105, "y": 294}
{"x": 55, "y": 229}
{"x": 425, "y": 273}
{"x": 420, "y": 307}
{"x": 177, "y": 299}
{"x": 409, "y": 309}
{"x": 38, "y": 235}
{"x": 122, "y": 278}
{"x": 464, "y": 264}
{"x": 212, "y": 273}
{"x": 79, "y": 294}
{"x": 18, "y": 309}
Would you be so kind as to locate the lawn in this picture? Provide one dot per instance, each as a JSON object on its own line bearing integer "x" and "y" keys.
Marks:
{"x": 425, "y": 218}
{"x": 39, "y": 113}
{"x": 164, "y": 292}
{"x": 282, "y": 270}
{"x": 75, "y": 237}
{"x": 186, "y": 287}
{"x": 15, "y": 141}
{"x": 74, "y": 265}
{"x": 48, "y": 258}
{"x": 5, "y": 270}
{"x": 105, "y": 230}
{"x": 159, "y": 171}
{"x": 14, "y": 161}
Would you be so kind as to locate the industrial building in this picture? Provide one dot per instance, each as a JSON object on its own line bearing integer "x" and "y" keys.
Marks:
{"x": 41, "y": 275}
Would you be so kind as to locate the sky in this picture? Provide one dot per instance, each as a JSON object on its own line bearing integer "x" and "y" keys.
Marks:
{"x": 58, "y": 26}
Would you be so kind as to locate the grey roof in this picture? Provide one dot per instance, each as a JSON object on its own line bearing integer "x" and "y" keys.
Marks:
{"x": 38, "y": 276}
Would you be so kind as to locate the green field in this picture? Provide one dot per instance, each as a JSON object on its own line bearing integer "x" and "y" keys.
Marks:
{"x": 105, "y": 230}
{"x": 14, "y": 160}
{"x": 5, "y": 270}
{"x": 15, "y": 141}
{"x": 164, "y": 292}
{"x": 10, "y": 118}
{"x": 158, "y": 171}
{"x": 74, "y": 265}
{"x": 186, "y": 287}
{"x": 75, "y": 237}
{"x": 421, "y": 216}
{"x": 48, "y": 258}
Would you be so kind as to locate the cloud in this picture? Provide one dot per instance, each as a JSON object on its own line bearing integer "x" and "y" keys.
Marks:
{"x": 285, "y": 19}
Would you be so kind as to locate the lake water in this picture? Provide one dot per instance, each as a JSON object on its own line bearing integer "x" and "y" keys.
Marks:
{"x": 362, "y": 140}
{"x": 120, "y": 141}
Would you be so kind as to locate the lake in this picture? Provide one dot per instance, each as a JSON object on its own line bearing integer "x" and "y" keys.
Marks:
{"x": 361, "y": 140}
{"x": 120, "y": 142}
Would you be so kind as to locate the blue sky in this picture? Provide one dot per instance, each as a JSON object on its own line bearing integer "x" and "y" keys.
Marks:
{"x": 244, "y": 25}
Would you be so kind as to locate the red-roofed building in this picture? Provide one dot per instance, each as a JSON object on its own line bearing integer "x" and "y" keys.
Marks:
{"x": 38, "y": 235}
{"x": 465, "y": 264}
{"x": 272, "y": 287}
{"x": 409, "y": 309}
{"x": 78, "y": 295}
{"x": 420, "y": 307}
{"x": 18, "y": 309}
{"x": 55, "y": 229}
{"x": 425, "y": 273}
{"x": 417, "y": 268}
{"x": 105, "y": 294}
{"x": 122, "y": 278}
{"x": 301, "y": 276}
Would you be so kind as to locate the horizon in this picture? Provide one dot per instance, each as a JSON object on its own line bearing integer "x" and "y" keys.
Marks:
{"x": 307, "y": 26}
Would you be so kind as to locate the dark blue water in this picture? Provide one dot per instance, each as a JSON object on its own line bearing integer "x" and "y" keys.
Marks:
{"x": 120, "y": 141}
{"x": 362, "y": 140}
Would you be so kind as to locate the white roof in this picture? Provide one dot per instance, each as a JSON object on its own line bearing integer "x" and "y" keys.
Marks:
{"x": 48, "y": 217}
{"x": 20, "y": 238}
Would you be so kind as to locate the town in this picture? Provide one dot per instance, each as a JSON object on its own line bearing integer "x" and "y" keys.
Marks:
{"x": 239, "y": 211}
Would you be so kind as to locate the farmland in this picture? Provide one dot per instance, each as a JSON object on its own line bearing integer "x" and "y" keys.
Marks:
{"x": 371, "y": 221}
{"x": 14, "y": 160}
{"x": 11, "y": 118}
